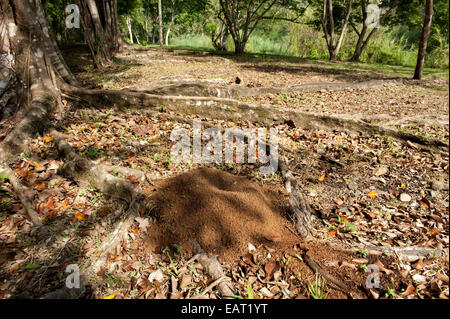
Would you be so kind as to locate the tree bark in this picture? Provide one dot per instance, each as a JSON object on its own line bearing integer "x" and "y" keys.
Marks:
{"x": 362, "y": 40}
{"x": 160, "y": 24}
{"x": 424, "y": 39}
{"x": 101, "y": 29}
{"x": 239, "y": 47}
{"x": 172, "y": 19}
{"x": 31, "y": 67}
{"x": 241, "y": 23}
{"x": 329, "y": 30}
{"x": 130, "y": 31}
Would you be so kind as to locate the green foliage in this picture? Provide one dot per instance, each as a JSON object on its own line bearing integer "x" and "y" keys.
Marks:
{"x": 56, "y": 17}
{"x": 317, "y": 288}
{"x": 395, "y": 43}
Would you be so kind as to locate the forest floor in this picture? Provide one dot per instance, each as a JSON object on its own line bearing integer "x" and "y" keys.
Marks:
{"x": 365, "y": 189}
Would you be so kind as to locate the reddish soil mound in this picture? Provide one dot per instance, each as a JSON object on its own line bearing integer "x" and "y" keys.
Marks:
{"x": 223, "y": 212}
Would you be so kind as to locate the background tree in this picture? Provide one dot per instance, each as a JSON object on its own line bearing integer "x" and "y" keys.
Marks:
{"x": 174, "y": 8}
{"x": 387, "y": 8}
{"x": 241, "y": 17}
{"x": 57, "y": 23}
{"x": 424, "y": 39}
{"x": 330, "y": 28}
{"x": 160, "y": 21}
{"x": 129, "y": 9}
{"x": 101, "y": 29}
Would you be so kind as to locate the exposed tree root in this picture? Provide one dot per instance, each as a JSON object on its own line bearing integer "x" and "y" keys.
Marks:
{"x": 301, "y": 209}
{"x": 233, "y": 110}
{"x": 335, "y": 283}
{"x": 21, "y": 192}
{"x": 213, "y": 268}
{"x": 409, "y": 254}
{"x": 200, "y": 88}
{"x": 113, "y": 240}
{"x": 391, "y": 120}
{"x": 85, "y": 171}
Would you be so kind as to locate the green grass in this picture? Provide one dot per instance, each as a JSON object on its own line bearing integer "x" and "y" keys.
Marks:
{"x": 317, "y": 288}
{"x": 397, "y": 60}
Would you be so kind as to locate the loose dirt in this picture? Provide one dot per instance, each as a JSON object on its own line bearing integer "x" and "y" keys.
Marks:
{"x": 223, "y": 212}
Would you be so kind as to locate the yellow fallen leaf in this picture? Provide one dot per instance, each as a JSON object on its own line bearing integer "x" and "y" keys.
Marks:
{"x": 111, "y": 296}
{"x": 36, "y": 164}
{"x": 79, "y": 216}
{"x": 64, "y": 204}
{"x": 373, "y": 194}
{"x": 48, "y": 139}
{"x": 321, "y": 178}
{"x": 50, "y": 213}
{"x": 41, "y": 186}
{"x": 433, "y": 232}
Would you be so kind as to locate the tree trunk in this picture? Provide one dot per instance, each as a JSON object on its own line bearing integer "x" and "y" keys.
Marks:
{"x": 239, "y": 47}
{"x": 130, "y": 31}
{"x": 160, "y": 24}
{"x": 333, "y": 54}
{"x": 147, "y": 36}
{"x": 31, "y": 70}
{"x": 172, "y": 19}
{"x": 362, "y": 43}
{"x": 329, "y": 32}
{"x": 424, "y": 39}
{"x": 101, "y": 29}
{"x": 219, "y": 41}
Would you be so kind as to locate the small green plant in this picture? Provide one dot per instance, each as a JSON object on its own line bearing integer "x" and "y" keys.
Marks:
{"x": 192, "y": 269}
{"x": 390, "y": 293}
{"x": 172, "y": 263}
{"x": 363, "y": 253}
{"x": 286, "y": 261}
{"x": 155, "y": 158}
{"x": 348, "y": 227}
{"x": 4, "y": 204}
{"x": 178, "y": 249}
{"x": 117, "y": 173}
{"x": 299, "y": 276}
{"x": 317, "y": 288}
{"x": 96, "y": 197}
{"x": 250, "y": 291}
{"x": 168, "y": 162}
{"x": 92, "y": 151}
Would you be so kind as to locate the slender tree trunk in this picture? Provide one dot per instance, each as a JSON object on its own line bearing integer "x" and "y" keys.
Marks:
{"x": 137, "y": 38}
{"x": 362, "y": 34}
{"x": 160, "y": 24}
{"x": 329, "y": 31}
{"x": 147, "y": 36}
{"x": 333, "y": 55}
{"x": 101, "y": 29}
{"x": 362, "y": 39}
{"x": 239, "y": 47}
{"x": 130, "y": 31}
{"x": 359, "y": 45}
{"x": 424, "y": 39}
{"x": 172, "y": 19}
